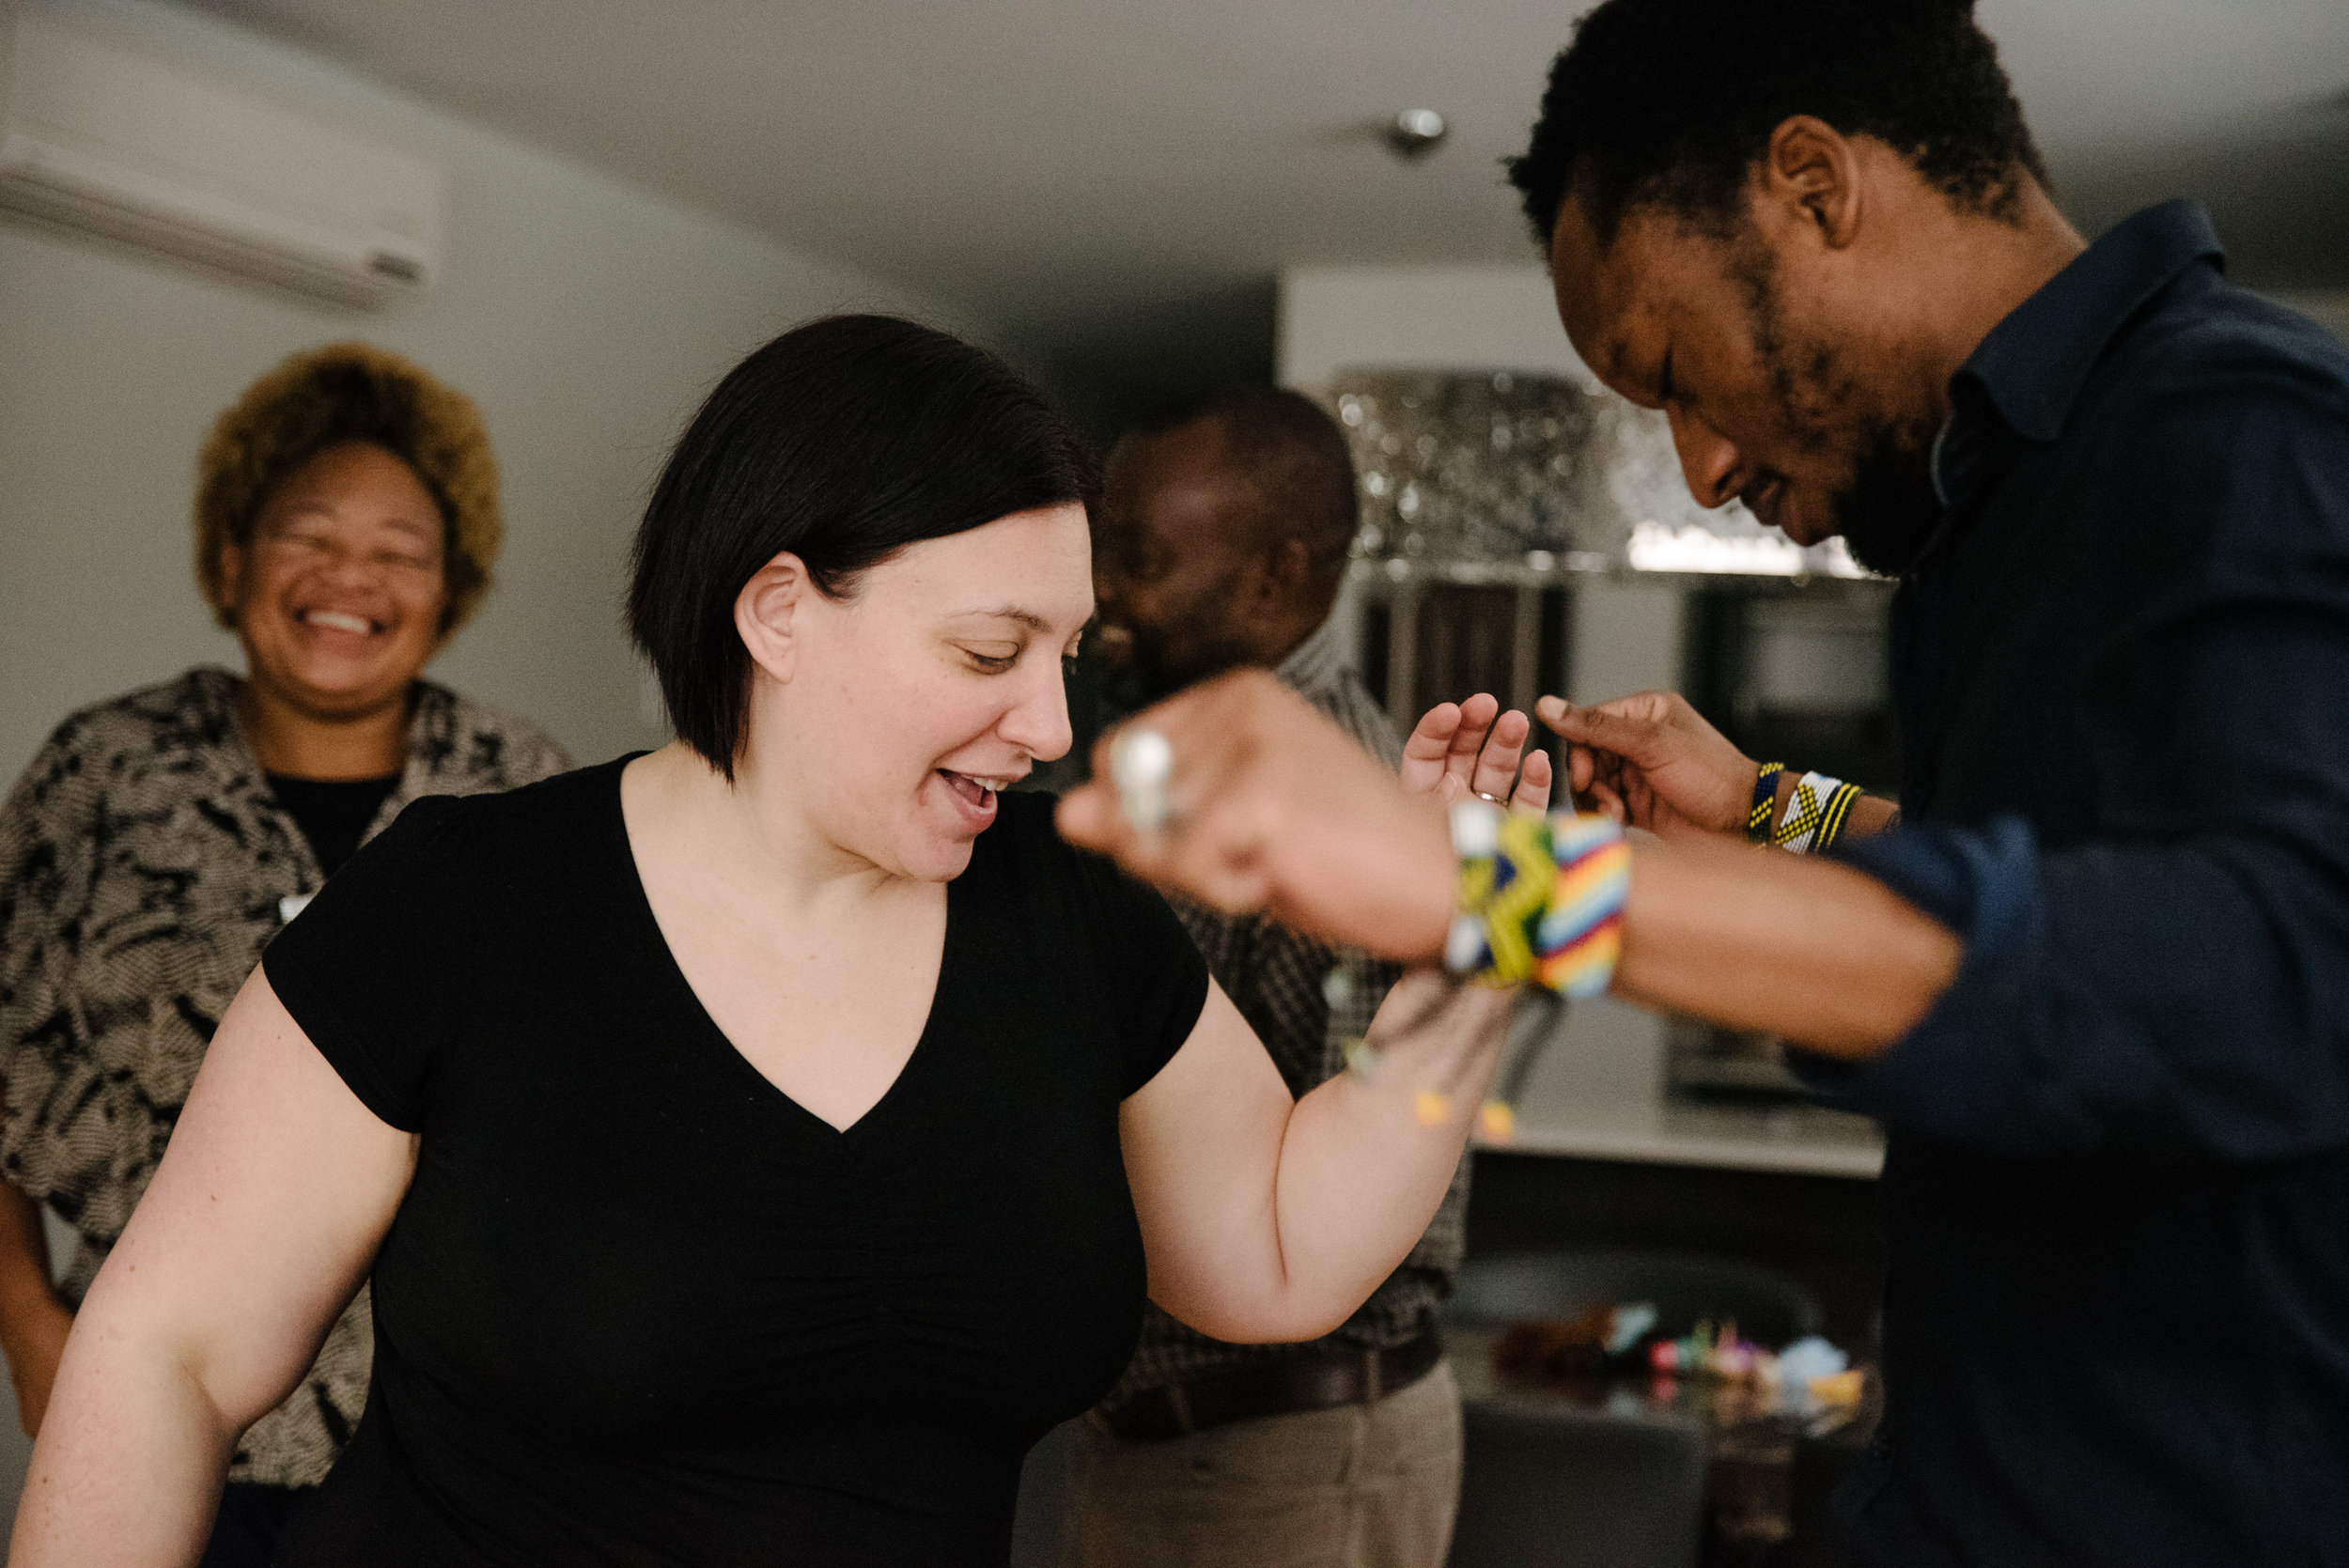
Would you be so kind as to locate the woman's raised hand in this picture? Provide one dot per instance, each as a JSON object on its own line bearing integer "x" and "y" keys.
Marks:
{"x": 1273, "y": 808}
{"x": 1472, "y": 747}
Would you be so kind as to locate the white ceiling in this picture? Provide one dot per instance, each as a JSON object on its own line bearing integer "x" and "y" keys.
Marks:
{"x": 1118, "y": 181}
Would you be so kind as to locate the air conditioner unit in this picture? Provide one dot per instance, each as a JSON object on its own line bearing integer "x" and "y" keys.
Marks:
{"x": 98, "y": 138}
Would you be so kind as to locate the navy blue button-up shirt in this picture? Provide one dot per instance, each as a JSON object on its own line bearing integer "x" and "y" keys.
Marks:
{"x": 2117, "y": 1188}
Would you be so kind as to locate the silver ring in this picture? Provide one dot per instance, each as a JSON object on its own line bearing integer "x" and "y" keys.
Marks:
{"x": 1142, "y": 762}
{"x": 1494, "y": 799}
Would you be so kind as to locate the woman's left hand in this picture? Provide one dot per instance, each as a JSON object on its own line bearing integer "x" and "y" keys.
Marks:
{"x": 1472, "y": 747}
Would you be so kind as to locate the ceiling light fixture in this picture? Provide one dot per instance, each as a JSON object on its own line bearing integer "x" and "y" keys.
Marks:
{"x": 1416, "y": 131}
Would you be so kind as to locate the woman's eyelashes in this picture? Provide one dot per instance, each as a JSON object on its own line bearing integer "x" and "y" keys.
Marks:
{"x": 989, "y": 663}
{"x": 995, "y": 659}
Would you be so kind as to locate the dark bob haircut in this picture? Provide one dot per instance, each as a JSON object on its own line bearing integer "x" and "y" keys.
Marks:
{"x": 842, "y": 442}
{"x": 1671, "y": 102}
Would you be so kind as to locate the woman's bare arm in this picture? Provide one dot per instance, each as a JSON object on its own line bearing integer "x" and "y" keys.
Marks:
{"x": 260, "y": 1224}
{"x": 1271, "y": 1220}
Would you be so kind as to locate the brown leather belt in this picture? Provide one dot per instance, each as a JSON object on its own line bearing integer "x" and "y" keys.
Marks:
{"x": 1311, "y": 1377}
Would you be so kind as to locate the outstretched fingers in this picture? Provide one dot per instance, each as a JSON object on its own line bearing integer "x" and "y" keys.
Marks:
{"x": 1477, "y": 716}
{"x": 1533, "y": 784}
{"x": 1472, "y": 747}
{"x": 1504, "y": 748}
{"x": 1428, "y": 747}
{"x": 1444, "y": 754}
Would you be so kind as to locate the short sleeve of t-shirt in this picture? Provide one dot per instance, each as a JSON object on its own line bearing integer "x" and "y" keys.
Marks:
{"x": 369, "y": 969}
{"x": 1153, "y": 973}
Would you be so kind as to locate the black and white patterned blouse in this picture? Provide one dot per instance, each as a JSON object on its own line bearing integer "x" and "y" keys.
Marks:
{"x": 143, "y": 867}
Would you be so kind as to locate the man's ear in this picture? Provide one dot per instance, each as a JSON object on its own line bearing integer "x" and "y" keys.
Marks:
{"x": 767, "y": 614}
{"x": 1289, "y": 568}
{"x": 231, "y": 563}
{"x": 1278, "y": 597}
{"x": 1264, "y": 586}
{"x": 1810, "y": 179}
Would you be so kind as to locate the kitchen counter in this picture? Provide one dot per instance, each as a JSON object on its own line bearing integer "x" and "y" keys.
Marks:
{"x": 1598, "y": 1094}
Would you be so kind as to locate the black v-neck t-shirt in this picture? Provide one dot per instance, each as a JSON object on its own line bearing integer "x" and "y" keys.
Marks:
{"x": 640, "y": 1307}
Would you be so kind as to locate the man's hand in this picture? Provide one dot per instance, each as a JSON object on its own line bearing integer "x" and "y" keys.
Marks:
{"x": 1472, "y": 747}
{"x": 1651, "y": 761}
{"x": 1276, "y": 809}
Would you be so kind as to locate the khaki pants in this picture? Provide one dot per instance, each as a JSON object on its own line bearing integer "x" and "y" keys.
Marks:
{"x": 1362, "y": 1486}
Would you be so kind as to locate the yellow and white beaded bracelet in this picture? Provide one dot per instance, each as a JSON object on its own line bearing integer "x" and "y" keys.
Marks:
{"x": 1817, "y": 815}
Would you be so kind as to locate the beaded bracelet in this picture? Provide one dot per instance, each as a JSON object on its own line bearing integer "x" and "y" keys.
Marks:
{"x": 1541, "y": 898}
{"x": 1817, "y": 815}
{"x": 1764, "y": 802}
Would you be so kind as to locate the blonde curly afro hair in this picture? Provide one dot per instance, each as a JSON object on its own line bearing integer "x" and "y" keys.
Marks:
{"x": 348, "y": 392}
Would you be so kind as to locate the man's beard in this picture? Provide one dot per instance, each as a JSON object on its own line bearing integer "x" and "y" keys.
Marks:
{"x": 1889, "y": 508}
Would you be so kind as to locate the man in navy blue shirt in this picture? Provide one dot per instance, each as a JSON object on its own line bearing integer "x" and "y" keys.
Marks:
{"x": 2096, "y": 983}
{"x": 2116, "y": 491}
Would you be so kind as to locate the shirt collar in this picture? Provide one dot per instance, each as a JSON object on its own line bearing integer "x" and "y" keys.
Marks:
{"x": 2033, "y": 363}
{"x": 1935, "y": 459}
{"x": 1315, "y": 662}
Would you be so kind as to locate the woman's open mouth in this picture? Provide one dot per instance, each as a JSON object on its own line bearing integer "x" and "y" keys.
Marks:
{"x": 979, "y": 791}
{"x": 975, "y": 794}
{"x": 339, "y": 620}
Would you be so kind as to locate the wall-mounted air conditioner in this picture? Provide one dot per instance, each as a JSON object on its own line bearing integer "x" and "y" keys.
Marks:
{"x": 98, "y": 138}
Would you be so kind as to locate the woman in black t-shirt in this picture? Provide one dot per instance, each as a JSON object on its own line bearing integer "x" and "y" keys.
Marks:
{"x": 757, "y": 1145}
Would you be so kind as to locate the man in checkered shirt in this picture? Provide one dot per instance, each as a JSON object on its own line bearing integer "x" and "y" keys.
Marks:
{"x": 1220, "y": 542}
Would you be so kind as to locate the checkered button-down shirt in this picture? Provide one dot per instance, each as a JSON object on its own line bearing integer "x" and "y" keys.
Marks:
{"x": 1277, "y": 978}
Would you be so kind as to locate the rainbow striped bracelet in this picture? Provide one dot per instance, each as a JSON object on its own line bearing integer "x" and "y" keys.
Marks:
{"x": 1541, "y": 898}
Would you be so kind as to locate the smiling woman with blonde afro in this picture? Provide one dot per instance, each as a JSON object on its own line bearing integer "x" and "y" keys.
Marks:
{"x": 324, "y": 398}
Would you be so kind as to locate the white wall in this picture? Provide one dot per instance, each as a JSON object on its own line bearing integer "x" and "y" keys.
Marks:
{"x": 1494, "y": 317}
{"x": 586, "y": 317}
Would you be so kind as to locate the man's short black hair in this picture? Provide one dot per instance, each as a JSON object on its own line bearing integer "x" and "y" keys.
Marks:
{"x": 842, "y": 442}
{"x": 1294, "y": 459}
{"x": 1672, "y": 102}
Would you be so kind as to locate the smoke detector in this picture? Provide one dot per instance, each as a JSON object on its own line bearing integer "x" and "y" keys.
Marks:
{"x": 1414, "y": 133}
